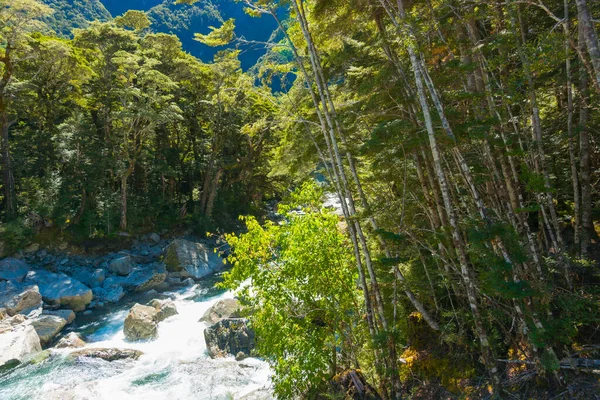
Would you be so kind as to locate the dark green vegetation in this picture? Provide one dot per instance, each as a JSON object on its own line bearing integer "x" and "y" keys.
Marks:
{"x": 460, "y": 137}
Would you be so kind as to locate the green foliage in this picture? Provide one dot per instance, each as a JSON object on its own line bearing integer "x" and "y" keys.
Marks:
{"x": 302, "y": 293}
{"x": 218, "y": 36}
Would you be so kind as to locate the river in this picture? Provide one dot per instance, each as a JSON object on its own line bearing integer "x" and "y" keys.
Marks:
{"x": 174, "y": 366}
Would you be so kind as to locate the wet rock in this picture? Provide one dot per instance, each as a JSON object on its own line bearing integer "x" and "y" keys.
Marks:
{"x": 87, "y": 313}
{"x": 259, "y": 394}
{"x": 141, "y": 323}
{"x": 92, "y": 278}
{"x": 229, "y": 336}
{"x": 70, "y": 341}
{"x": 3, "y": 314}
{"x": 18, "y": 298}
{"x": 48, "y": 326}
{"x": 121, "y": 266}
{"x": 13, "y": 269}
{"x": 161, "y": 287}
{"x": 32, "y": 248}
{"x": 108, "y": 354}
{"x": 154, "y": 237}
{"x": 164, "y": 309}
{"x": 17, "y": 344}
{"x": 351, "y": 384}
{"x": 143, "y": 279}
{"x": 110, "y": 293}
{"x": 192, "y": 259}
{"x": 67, "y": 315}
{"x": 225, "y": 308}
{"x": 60, "y": 290}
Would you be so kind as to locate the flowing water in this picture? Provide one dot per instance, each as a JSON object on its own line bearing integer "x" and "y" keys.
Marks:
{"x": 174, "y": 366}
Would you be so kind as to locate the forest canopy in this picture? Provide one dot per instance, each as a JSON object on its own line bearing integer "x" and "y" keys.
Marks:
{"x": 460, "y": 140}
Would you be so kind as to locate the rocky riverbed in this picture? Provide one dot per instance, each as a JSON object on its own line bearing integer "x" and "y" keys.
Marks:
{"x": 144, "y": 322}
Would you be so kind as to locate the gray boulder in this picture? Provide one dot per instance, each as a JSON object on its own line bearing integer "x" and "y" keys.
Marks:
{"x": 48, "y": 326}
{"x": 67, "y": 315}
{"x": 60, "y": 290}
{"x": 121, "y": 266}
{"x": 92, "y": 278}
{"x": 141, "y": 323}
{"x": 154, "y": 237}
{"x": 13, "y": 269}
{"x": 192, "y": 259}
{"x": 164, "y": 309}
{"x": 225, "y": 308}
{"x": 140, "y": 279}
{"x": 17, "y": 344}
{"x": 110, "y": 293}
{"x": 10, "y": 323}
{"x": 70, "y": 341}
{"x": 18, "y": 298}
{"x": 108, "y": 354}
{"x": 230, "y": 336}
{"x": 146, "y": 278}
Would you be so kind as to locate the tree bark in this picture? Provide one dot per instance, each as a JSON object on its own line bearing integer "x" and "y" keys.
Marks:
{"x": 589, "y": 34}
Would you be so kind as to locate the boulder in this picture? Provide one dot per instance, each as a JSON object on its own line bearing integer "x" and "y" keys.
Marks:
{"x": 70, "y": 341}
{"x": 140, "y": 323}
{"x": 10, "y": 323}
{"x": 32, "y": 248}
{"x": 48, "y": 326}
{"x": 140, "y": 279}
{"x": 230, "y": 336}
{"x": 154, "y": 237}
{"x": 192, "y": 259}
{"x": 146, "y": 278}
{"x": 67, "y": 315}
{"x": 60, "y": 290}
{"x": 18, "y": 344}
{"x": 92, "y": 278}
{"x": 13, "y": 269}
{"x": 121, "y": 266}
{"x": 164, "y": 309}
{"x": 18, "y": 298}
{"x": 225, "y": 308}
{"x": 110, "y": 293}
{"x": 109, "y": 354}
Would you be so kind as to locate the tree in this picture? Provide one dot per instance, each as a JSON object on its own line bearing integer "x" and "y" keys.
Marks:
{"x": 303, "y": 299}
{"x": 17, "y": 18}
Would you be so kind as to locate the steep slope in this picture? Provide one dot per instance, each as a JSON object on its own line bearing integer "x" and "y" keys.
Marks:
{"x": 185, "y": 20}
{"x": 69, "y": 14}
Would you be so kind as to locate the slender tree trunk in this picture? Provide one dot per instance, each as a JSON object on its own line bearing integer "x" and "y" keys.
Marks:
{"x": 213, "y": 193}
{"x": 123, "y": 223}
{"x": 587, "y": 224}
{"x": 10, "y": 202}
{"x": 570, "y": 136}
{"x": 586, "y": 24}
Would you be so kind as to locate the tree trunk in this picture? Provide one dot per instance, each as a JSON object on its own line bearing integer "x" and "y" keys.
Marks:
{"x": 586, "y": 24}
{"x": 213, "y": 193}
{"x": 10, "y": 203}
{"x": 123, "y": 223}
{"x": 570, "y": 137}
{"x": 587, "y": 225}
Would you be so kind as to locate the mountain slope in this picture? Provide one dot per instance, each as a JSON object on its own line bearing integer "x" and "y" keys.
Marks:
{"x": 69, "y": 14}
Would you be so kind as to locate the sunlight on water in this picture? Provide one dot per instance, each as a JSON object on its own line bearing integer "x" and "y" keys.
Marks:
{"x": 174, "y": 366}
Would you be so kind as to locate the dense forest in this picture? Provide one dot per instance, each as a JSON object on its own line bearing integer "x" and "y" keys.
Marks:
{"x": 459, "y": 138}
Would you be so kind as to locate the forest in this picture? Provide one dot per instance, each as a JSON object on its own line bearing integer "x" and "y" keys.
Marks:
{"x": 458, "y": 138}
